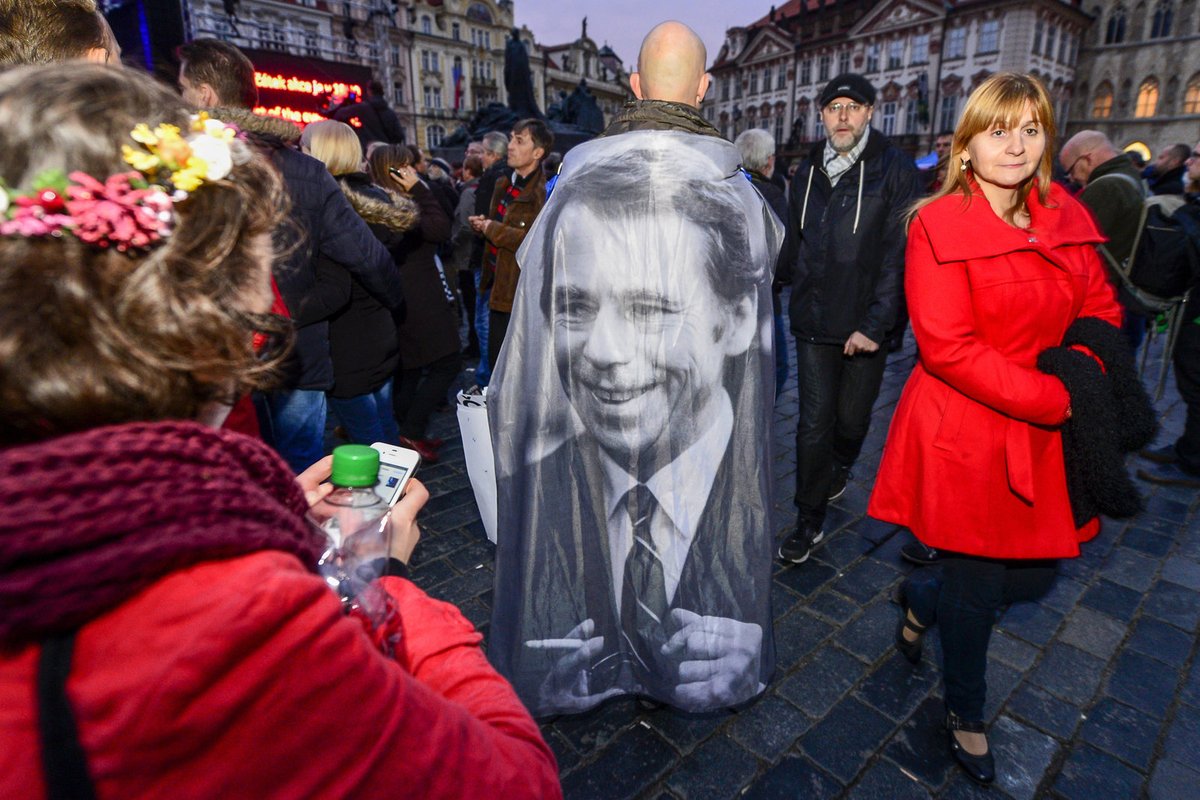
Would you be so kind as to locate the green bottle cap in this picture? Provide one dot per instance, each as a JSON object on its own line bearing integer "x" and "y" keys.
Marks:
{"x": 355, "y": 465}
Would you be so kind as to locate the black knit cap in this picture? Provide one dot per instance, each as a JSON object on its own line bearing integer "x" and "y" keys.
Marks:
{"x": 848, "y": 84}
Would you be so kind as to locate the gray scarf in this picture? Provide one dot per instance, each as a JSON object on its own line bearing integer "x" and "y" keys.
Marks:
{"x": 838, "y": 164}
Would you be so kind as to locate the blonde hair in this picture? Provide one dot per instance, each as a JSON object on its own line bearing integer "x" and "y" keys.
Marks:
{"x": 335, "y": 144}
{"x": 999, "y": 101}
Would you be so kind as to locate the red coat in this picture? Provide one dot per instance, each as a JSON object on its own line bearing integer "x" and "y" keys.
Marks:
{"x": 974, "y": 460}
{"x": 242, "y": 678}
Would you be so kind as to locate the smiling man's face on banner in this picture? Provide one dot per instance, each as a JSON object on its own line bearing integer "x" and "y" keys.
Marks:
{"x": 642, "y": 352}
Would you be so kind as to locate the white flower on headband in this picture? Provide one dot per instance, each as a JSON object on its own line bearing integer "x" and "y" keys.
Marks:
{"x": 3, "y": 200}
{"x": 214, "y": 152}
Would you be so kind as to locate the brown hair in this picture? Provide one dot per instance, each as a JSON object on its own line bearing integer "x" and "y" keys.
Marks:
{"x": 223, "y": 67}
{"x": 386, "y": 157}
{"x": 47, "y": 31}
{"x": 474, "y": 164}
{"x": 92, "y": 337}
{"x": 999, "y": 100}
{"x": 538, "y": 131}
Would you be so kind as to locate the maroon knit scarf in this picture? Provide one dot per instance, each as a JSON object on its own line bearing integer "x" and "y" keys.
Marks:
{"x": 89, "y": 519}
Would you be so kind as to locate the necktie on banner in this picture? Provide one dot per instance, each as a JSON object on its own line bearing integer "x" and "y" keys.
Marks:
{"x": 644, "y": 589}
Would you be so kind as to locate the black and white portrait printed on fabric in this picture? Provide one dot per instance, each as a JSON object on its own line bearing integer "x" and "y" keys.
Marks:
{"x": 630, "y": 416}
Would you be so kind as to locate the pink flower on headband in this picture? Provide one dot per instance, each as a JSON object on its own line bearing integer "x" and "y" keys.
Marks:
{"x": 33, "y": 221}
{"x": 116, "y": 213}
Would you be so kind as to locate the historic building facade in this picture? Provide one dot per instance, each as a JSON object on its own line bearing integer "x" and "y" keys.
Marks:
{"x": 924, "y": 57}
{"x": 1139, "y": 74}
{"x": 565, "y": 65}
{"x": 457, "y": 56}
{"x": 305, "y": 50}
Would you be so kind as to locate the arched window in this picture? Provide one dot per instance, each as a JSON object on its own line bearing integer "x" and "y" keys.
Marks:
{"x": 426, "y": 25}
{"x": 1147, "y": 99}
{"x": 1191, "y": 96}
{"x": 1170, "y": 97}
{"x": 1160, "y": 26}
{"x": 1102, "y": 103}
{"x": 1114, "y": 33}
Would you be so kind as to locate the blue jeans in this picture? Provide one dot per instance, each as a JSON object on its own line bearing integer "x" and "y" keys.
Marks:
{"x": 781, "y": 353}
{"x": 368, "y": 418}
{"x": 293, "y": 422}
{"x": 483, "y": 373}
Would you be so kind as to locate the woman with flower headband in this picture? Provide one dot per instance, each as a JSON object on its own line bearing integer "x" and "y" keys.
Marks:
{"x": 163, "y": 628}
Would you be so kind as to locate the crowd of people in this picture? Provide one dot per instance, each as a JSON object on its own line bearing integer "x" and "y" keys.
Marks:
{"x": 188, "y": 289}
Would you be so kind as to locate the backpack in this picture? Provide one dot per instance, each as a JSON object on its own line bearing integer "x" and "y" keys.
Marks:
{"x": 1164, "y": 263}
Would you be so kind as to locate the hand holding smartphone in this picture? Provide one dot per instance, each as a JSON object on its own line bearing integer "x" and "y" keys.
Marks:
{"x": 396, "y": 468}
{"x": 405, "y": 176}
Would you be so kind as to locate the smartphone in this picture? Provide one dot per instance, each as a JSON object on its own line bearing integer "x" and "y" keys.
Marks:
{"x": 396, "y": 171}
{"x": 396, "y": 467}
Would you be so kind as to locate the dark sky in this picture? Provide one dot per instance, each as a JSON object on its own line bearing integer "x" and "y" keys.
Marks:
{"x": 623, "y": 23}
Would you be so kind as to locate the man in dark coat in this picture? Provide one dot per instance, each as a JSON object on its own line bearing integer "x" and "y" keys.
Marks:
{"x": 495, "y": 163}
{"x": 844, "y": 257}
{"x": 1165, "y": 175}
{"x": 218, "y": 76}
{"x": 1178, "y": 464}
{"x": 1113, "y": 191}
{"x": 376, "y": 121}
{"x": 758, "y": 159}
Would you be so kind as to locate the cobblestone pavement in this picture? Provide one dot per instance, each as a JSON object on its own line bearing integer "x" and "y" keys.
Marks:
{"x": 1093, "y": 692}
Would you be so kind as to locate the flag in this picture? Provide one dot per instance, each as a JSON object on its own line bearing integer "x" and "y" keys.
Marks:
{"x": 457, "y": 74}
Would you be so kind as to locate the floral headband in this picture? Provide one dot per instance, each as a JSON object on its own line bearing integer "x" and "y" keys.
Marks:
{"x": 130, "y": 210}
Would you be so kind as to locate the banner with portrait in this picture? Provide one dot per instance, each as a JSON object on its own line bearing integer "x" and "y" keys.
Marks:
{"x": 630, "y": 414}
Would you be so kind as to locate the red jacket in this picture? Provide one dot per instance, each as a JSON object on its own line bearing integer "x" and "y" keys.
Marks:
{"x": 242, "y": 678}
{"x": 974, "y": 460}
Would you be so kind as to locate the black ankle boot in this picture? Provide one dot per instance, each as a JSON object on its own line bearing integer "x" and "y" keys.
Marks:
{"x": 981, "y": 769}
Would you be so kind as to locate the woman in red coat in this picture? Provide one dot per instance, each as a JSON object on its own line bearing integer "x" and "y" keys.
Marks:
{"x": 163, "y": 630}
{"x": 1000, "y": 262}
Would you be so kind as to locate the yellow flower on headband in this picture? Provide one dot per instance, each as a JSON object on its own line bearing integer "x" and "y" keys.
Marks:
{"x": 141, "y": 160}
{"x": 190, "y": 177}
{"x": 186, "y": 164}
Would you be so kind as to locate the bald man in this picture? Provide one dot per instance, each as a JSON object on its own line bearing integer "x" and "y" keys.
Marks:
{"x": 1113, "y": 191}
{"x": 669, "y": 84}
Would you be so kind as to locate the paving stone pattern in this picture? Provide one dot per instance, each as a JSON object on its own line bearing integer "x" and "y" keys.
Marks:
{"x": 1094, "y": 692}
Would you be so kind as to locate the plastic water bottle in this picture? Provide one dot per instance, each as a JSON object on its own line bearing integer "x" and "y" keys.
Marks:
{"x": 359, "y": 526}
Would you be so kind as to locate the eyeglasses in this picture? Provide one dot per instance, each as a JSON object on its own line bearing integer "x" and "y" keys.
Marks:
{"x": 1071, "y": 169}
{"x": 837, "y": 108}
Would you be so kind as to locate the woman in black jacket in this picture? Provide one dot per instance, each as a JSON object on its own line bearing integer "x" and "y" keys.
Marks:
{"x": 430, "y": 348}
{"x": 362, "y": 334}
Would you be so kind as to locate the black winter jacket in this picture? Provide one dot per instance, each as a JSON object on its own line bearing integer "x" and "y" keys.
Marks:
{"x": 322, "y": 223}
{"x": 844, "y": 250}
{"x": 362, "y": 333}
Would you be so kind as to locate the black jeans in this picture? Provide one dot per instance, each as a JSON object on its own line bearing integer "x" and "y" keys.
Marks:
{"x": 417, "y": 392}
{"x": 497, "y": 330}
{"x": 1187, "y": 377}
{"x": 466, "y": 294}
{"x": 973, "y": 590}
{"x": 837, "y": 393}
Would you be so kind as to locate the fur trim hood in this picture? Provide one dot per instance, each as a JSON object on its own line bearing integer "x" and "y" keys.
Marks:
{"x": 399, "y": 215}
{"x": 257, "y": 124}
